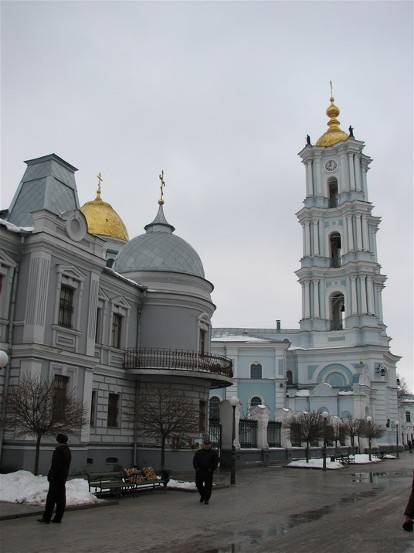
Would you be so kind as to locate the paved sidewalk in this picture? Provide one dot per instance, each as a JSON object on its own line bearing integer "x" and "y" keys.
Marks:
{"x": 270, "y": 510}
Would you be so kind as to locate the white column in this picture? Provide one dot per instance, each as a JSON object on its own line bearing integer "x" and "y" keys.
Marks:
{"x": 357, "y": 172}
{"x": 364, "y": 184}
{"x": 343, "y": 178}
{"x": 317, "y": 187}
{"x": 351, "y": 171}
{"x": 350, "y": 233}
{"x": 307, "y": 238}
{"x": 354, "y": 303}
{"x": 307, "y": 300}
{"x": 363, "y": 294}
{"x": 365, "y": 237}
{"x": 315, "y": 238}
{"x": 358, "y": 232}
{"x": 316, "y": 312}
{"x": 309, "y": 178}
{"x": 370, "y": 296}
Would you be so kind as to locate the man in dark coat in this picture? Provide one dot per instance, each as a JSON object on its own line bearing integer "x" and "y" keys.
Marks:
{"x": 409, "y": 511}
{"x": 57, "y": 476}
{"x": 205, "y": 462}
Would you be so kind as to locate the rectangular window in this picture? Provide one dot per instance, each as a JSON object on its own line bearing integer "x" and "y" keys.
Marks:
{"x": 256, "y": 371}
{"x": 202, "y": 416}
{"x": 203, "y": 341}
{"x": 116, "y": 330}
{"x": 60, "y": 396}
{"x": 66, "y": 306}
{"x": 113, "y": 410}
{"x": 93, "y": 408}
{"x": 407, "y": 416}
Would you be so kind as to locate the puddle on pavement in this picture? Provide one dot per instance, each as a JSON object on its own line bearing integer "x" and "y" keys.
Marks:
{"x": 252, "y": 536}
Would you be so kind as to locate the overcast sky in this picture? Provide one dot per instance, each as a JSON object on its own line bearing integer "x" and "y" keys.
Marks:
{"x": 220, "y": 95}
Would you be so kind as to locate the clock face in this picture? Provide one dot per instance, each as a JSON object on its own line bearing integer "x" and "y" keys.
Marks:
{"x": 331, "y": 165}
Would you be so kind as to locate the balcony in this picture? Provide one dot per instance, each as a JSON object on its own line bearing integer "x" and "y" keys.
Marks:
{"x": 217, "y": 368}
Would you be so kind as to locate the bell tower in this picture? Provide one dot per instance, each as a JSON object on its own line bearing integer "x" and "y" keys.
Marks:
{"x": 340, "y": 276}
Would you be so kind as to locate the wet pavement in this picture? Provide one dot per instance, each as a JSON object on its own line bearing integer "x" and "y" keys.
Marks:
{"x": 355, "y": 509}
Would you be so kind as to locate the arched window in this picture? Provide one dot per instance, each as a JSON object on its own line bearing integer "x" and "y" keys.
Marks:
{"x": 337, "y": 305}
{"x": 214, "y": 408}
{"x": 256, "y": 371}
{"x": 289, "y": 376}
{"x": 333, "y": 192}
{"x": 335, "y": 249}
{"x": 255, "y": 401}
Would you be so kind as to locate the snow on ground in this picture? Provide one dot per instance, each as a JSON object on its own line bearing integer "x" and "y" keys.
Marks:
{"x": 23, "y": 487}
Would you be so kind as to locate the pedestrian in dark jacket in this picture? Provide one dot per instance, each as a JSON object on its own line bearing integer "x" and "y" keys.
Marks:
{"x": 205, "y": 462}
{"x": 409, "y": 511}
{"x": 57, "y": 476}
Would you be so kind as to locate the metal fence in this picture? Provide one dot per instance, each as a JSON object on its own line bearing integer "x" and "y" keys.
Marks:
{"x": 248, "y": 433}
{"x": 274, "y": 434}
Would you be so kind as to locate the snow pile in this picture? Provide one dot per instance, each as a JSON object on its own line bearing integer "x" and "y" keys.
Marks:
{"x": 359, "y": 459}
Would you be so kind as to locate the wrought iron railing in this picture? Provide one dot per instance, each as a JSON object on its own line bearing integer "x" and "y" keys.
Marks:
{"x": 154, "y": 358}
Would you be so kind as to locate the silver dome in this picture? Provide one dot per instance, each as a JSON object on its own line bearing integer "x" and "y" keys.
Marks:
{"x": 158, "y": 250}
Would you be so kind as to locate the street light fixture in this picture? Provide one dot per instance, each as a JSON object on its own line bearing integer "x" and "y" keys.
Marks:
{"x": 234, "y": 401}
{"x": 396, "y": 433}
{"x": 4, "y": 359}
{"x": 325, "y": 415}
{"x": 369, "y": 419}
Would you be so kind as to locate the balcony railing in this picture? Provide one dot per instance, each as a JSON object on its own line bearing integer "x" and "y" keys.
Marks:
{"x": 153, "y": 358}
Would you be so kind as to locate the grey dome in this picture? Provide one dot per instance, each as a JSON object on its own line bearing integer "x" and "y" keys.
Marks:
{"x": 158, "y": 250}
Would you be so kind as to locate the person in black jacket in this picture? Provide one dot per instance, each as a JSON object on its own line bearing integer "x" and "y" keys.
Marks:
{"x": 409, "y": 511}
{"x": 205, "y": 462}
{"x": 57, "y": 476}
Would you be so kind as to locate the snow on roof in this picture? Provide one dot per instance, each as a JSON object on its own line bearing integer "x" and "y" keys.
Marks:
{"x": 13, "y": 228}
{"x": 302, "y": 393}
{"x": 238, "y": 338}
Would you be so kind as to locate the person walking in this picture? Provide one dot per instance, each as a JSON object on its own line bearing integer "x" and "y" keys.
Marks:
{"x": 409, "y": 511}
{"x": 205, "y": 462}
{"x": 56, "y": 477}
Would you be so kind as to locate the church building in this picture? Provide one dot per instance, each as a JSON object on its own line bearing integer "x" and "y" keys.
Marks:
{"x": 339, "y": 360}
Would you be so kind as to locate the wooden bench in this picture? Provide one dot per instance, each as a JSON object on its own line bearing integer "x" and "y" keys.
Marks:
{"x": 114, "y": 482}
{"x": 345, "y": 459}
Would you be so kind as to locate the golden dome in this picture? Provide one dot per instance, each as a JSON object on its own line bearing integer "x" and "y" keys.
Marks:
{"x": 102, "y": 219}
{"x": 334, "y": 134}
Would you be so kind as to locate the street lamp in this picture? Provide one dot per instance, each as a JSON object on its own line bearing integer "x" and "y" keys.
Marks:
{"x": 234, "y": 401}
{"x": 4, "y": 359}
{"x": 325, "y": 415}
{"x": 396, "y": 431}
{"x": 369, "y": 419}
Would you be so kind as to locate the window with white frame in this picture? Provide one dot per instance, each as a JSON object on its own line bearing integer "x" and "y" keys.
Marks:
{"x": 256, "y": 371}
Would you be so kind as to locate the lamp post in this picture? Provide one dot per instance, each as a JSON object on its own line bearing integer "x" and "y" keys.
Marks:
{"x": 397, "y": 424}
{"x": 234, "y": 401}
{"x": 4, "y": 359}
{"x": 369, "y": 419}
{"x": 325, "y": 415}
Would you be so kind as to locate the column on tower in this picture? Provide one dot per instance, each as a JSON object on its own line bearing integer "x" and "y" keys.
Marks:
{"x": 365, "y": 237}
{"x": 362, "y": 283}
{"x": 315, "y": 237}
{"x": 364, "y": 182}
{"x": 354, "y": 301}
{"x": 316, "y": 311}
{"x": 358, "y": 231}
{"x": 309, "y": 178}
{"x": 351, "y": 245}
{"x": 306, "y": 300}
{"x": 318, "y": 186}
{"x": 357, "y": 165}
{"x": 306, "y": 242}
{"x": 351, "y": 170}
{"x": 370, "y": 296}
{"x": 344, "y": 174}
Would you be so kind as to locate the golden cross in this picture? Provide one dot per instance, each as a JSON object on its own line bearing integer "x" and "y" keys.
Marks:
{"x": 100, "y": 179}
{"x": 162, "y": 186}
{"x": 330, "y": 82}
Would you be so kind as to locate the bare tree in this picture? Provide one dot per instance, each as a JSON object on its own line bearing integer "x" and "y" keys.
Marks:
{"x": 402, "y": 387}
{"x": 162, "y": 412}
{"x": 371, "y": 430}
{"x": 305, "y": 428}
{"x": 42, "y": 408}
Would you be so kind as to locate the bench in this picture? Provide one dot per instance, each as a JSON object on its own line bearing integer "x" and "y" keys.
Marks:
{"x": 117, "y": 482}
{"x": 345, "y": 459}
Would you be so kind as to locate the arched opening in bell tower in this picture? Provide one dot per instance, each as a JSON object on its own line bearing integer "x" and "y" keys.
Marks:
{"x": 335, "y": 249}
{"x": 337, "y": 307}
{"x": 332, "y": 192}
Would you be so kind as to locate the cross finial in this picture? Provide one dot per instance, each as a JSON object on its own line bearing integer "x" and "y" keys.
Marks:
{"x": 100, "y": 179}
{"x": 162, "y": 186}
{"x": 330, "y": 82}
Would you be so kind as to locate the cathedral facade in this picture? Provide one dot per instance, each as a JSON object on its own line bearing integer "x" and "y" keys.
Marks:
{"x": 339, "y": 359}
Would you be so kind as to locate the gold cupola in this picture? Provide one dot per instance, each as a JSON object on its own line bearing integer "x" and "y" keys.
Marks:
{"x": 102, "y": 219}
{"x": 334, "y": 134}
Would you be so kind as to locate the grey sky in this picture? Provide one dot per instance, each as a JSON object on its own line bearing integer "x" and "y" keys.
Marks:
{"x": 221, "y": 96}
